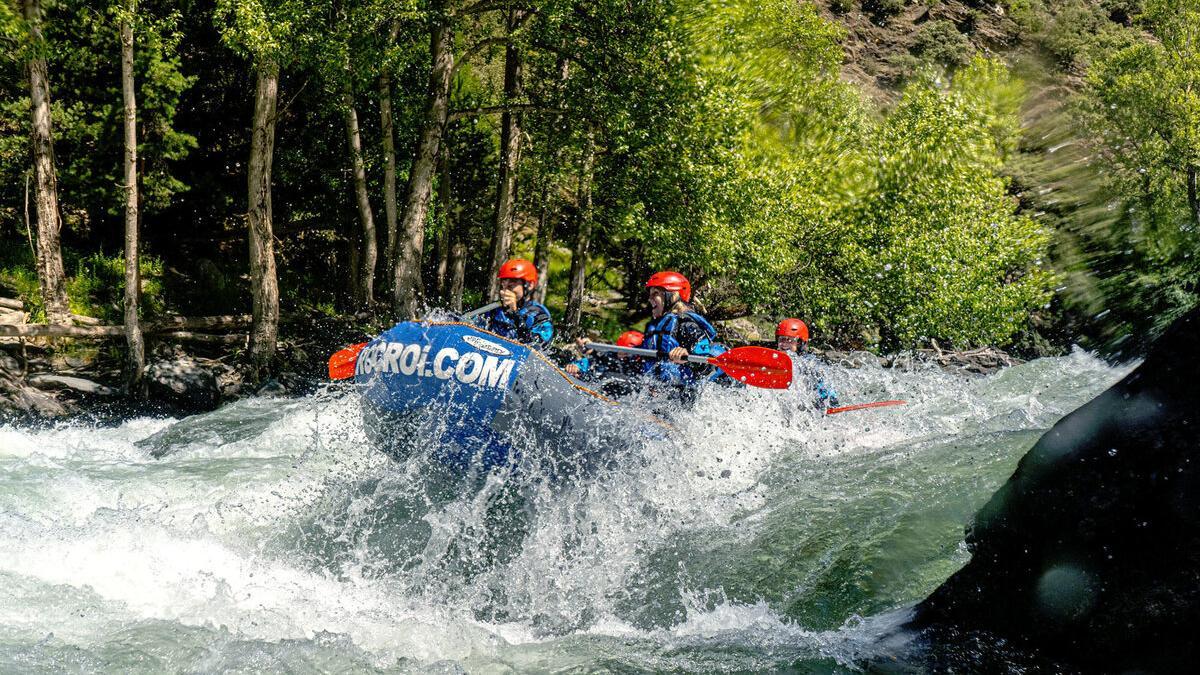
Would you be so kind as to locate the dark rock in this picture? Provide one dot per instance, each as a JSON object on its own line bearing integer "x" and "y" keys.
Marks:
{"x": 76, "y": 384}
{"x": 286, "y": 384}
{"x": 18, "y": 397}
{"x": 1090, "y": 553}
{"x": 183, "y": 384}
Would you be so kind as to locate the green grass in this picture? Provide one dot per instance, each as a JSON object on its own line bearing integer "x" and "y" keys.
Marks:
{"x": 95, "y": 284}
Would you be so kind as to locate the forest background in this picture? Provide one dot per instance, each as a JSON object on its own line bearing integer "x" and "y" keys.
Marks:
{"x": 1019, "y": 174}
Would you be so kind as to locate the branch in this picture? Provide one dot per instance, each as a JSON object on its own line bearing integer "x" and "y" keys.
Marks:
{"x": 478, "y": 47}
{"x": 493, "y": 109}
{"x": 488, "y": 6}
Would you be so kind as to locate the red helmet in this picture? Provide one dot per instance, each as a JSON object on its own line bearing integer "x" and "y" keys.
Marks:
{"x": 792, "y": 328}
{"x": 519, "y": 268}
{"x": 672, "y": 281}
{"x": 630, "y": 338}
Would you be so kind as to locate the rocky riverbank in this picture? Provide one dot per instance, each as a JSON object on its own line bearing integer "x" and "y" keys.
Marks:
{"x": 51, "y": 378}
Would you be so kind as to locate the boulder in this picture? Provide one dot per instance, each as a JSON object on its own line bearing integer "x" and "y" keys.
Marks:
{"x": 183, "y": 383}
{"x": 76, "y": 384}
{"x": 1090, "y": 553}
{"x": 18, "y": 397}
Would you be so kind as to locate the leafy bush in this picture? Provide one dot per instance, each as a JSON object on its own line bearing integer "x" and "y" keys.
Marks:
{"x": 882, "y": 11}
{"x": 940, "y": 42}
{"x": 937, "y": 249}
{"x": 98, "y": 287}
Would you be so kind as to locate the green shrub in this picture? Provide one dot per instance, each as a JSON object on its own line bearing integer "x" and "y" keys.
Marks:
{"x": 98, "y": 287}
{"x": 882, "y": 11}
{"x": 941, "y": 43}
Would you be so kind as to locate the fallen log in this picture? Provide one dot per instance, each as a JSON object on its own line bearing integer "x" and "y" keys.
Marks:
{"x": 9, "y": 303}
{"x": 32, "y": 330}
{"x": 203, "y": 338}
{"x": 174, "y": 324}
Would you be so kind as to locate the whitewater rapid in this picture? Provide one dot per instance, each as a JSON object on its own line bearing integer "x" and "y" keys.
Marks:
{"x": 269, "y": 535}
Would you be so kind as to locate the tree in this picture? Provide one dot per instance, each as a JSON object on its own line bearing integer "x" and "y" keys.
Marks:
{"x": 49, "y": 221}
{"x": 937, "y": 249}
{"x": 407, "y": 285}
{"x": 366, "y": 289}
{"x": 583, "y": 238}
{"x": 1142, "y": 106}
{"x": 510, "y": 149}
{"x": 136, "y": 357}
{"x": 266, "y": 32}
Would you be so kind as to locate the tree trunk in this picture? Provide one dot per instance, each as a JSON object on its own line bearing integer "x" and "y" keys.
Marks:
{"x": 458, "y": 268}
{"x": 636, "y": 273}
{"x": 550, "y": 213}
{"x": 510, "y": 155}
{"x": 264, "y": 329}
{"x": 49, "y": 224}
{"x": 366, "y": 219}
{"x": 136, "y": 358}
{"x": 406, "y": 288}
{"x": 541, "y": 251}
{"x": 444, "y": 203}
{"x": 457, "y": 254}
{"x": 389, "y": 152}
{"x": 1193, "y": 199}
{"x": 582, "y": 240}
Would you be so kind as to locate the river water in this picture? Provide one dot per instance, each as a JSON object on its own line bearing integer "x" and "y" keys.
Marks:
{"x": 269, "y": 536}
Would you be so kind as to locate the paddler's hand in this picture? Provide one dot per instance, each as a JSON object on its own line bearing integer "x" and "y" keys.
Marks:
{"x": 572, "y": 369}
{"x": 678, "y": 355}
{"x": 508, "y": 299}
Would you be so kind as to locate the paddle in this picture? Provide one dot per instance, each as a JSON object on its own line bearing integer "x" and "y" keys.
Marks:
{"x": 756, "y": 366}
{"x": 863, "y": 406}
{"x": 342, "y": 363}
{"x": 482, "y": 310}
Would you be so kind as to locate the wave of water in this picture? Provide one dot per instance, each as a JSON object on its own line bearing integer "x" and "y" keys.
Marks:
{"x": 269, "y": 535}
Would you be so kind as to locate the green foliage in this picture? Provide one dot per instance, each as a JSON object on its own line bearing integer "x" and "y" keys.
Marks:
{"x": 940, "y": 42}
{"x": 98, "y": 286}
{"x": 1141, "y": 103}
{"x": 938, "y": 250}
{"x": 882, "y": 11}
{"x": 95, "y": 285}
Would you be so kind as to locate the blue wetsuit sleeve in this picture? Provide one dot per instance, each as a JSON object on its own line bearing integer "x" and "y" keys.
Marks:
{"x": 539, "y": 329}
{"x": 583, "y": 363}
{"x": 541, "y": 334}
{"x": 826, "y": 394}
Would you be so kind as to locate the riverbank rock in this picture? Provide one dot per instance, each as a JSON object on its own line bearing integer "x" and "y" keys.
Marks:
{"x": 47, "y": 382}
{"x": 19, "y": 399}
{"x": 1090, "y": 553}
{"x": 183, "y": 383}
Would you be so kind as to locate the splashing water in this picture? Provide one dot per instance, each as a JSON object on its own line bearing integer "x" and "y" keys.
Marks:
{"x": 269, "y": 535}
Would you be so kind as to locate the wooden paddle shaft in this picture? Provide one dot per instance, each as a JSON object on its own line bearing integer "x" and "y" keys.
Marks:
{"x": 482, "y": 310}
{"x": 638, "y": 351}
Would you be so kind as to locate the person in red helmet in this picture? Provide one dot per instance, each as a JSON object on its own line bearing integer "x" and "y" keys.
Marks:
{"x": 791, "y": 336}
{"x": 676, "y": 330}
{"x": 519, "y": 317}
{"x": 615, "y": 372}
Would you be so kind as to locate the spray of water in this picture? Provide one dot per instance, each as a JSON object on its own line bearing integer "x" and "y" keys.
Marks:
{"x": 270, "y": 534}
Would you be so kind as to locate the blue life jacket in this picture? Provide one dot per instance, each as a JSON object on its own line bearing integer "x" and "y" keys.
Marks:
{"x": 530, "y": 324}
{"x": 806, "y": 373}
{"x": 668, "y": 332}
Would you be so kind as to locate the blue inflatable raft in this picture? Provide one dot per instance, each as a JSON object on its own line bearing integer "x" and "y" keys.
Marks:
{"x": 477, "y": 400}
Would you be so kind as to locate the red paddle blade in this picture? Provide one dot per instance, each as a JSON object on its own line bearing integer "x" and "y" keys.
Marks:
{"x": 341, "y": 364}
{"x": 863, "y": 406}
{"x": 756, "y": 366}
